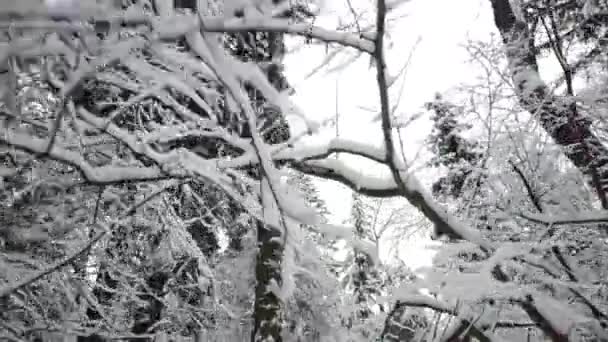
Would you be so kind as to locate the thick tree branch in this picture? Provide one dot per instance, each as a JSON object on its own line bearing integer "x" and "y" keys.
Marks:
{"x": 172, "y": 27}
{"x": 592, "y": 217}
{"x": 284, "y": 26}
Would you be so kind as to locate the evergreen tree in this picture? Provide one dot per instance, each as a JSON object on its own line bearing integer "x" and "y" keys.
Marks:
{"x": 450, "y": 149}
{"x": 366, "y": 281}
{"x": 312, "y": 310}
{"x": 311, "y": 194}
{"x": 363, "y": 265}
{"x": 361, "y": 278}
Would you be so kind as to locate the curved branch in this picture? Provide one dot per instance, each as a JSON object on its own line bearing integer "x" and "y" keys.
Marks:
{"x": 95, "y": 175}
{"x": 411, "y": 188}
{"x": 338, "y": 171}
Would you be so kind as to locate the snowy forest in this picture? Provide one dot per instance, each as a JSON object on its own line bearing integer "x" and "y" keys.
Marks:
{"x": 153, "y": 187}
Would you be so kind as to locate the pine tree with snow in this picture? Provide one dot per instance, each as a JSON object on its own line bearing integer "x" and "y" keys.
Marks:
{"x": 363, "y": 265}
{"x": 451, "y": 150}
{"x": 307, "y": 189}
{"x": 360, "y": 278}
{"x": 460, "y": 156}
{"x": 310, "y": 192}
{"x": 312, "y": 309}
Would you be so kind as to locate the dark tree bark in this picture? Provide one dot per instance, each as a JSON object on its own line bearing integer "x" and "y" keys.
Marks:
{"x": 268, "y": 306}
{"x": 558, "y": 115}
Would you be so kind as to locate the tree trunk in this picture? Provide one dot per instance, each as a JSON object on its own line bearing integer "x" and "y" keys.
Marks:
{"x": 268, "y": 306}
{"x": 267, "y": 315}
{"x": 558, "y": 115}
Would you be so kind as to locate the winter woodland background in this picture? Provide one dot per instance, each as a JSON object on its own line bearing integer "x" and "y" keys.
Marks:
{"x": 300, "y": 170}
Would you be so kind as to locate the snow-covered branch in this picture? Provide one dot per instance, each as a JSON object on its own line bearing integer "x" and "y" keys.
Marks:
{"x": 176, "y": 162}
{"x": 411, "y": 188}
{"x": 285, "y": 26}
{"x": 97, "y": 175}
{"x": 171, "y": 27}
{"x": 592, "y": 217}
{"x": 422, "y": 301}
{"x": 336, "y": 145}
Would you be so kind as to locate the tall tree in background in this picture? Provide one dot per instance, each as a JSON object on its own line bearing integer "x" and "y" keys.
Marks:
{"x": 450, "y": 149}
{"x": 310, "y": 192}
{"x": 457, "y": 155}
{"x": 313, "y": 309}
{"x": 363, "y": 265}
{"x": 361, "y": 277}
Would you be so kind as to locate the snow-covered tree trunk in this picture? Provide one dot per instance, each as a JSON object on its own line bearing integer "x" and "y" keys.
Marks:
{"x": 268, "y": 307}
{"x": 558, "y": 115}
{"x": 268, "y": 314}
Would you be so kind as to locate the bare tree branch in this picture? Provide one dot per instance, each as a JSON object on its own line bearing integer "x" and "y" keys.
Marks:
{"x": 7, "y": 290}
{"x": 412, "y": 189}
{"x": 529, "y": 190}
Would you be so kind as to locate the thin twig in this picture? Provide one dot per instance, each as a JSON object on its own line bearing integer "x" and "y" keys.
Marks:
{"x": 70, "y": 259}
{"x": 529, "y": 189}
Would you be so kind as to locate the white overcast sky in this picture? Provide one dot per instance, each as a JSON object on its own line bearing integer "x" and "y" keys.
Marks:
{"x": 439, "y": 62}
